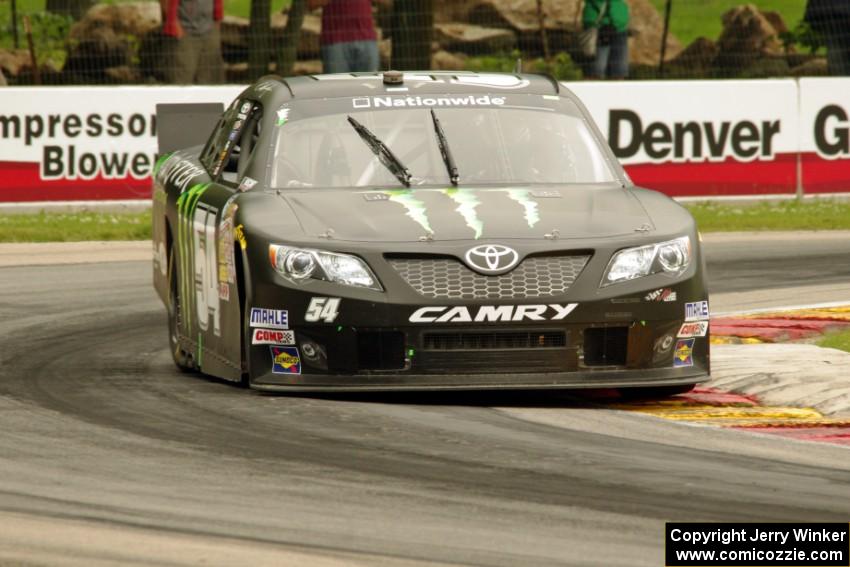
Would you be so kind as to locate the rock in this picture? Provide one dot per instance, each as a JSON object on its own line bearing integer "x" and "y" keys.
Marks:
{"x": 309, "y": 67}
{"x": 647, "y": 26}
{"x": 519, "y": 16}
{"x": 472, "y": 39}
{"x": 131, "y": 18}
{"x": 815, "y": 67}
{"x": 445, "y": 61}
{"x": 13, "y": 61}
{"x": 123, "y": 75}
{"x": 235, "y": 30}
{"x": 775, "y": 19}
{"x": 697, "y": 58}
{"x": 747, "y": 37}
{"x": 106, "y": 38}
{"x": 766, "y": 68}
{"x": 562, "y": 21}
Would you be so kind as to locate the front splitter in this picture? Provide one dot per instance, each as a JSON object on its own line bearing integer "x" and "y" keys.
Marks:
{"x": 431, "y": 382}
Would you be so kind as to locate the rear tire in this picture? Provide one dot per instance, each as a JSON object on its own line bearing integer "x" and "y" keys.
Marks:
{"x": 182, "y": 359}
{"x": 655, "y": 392}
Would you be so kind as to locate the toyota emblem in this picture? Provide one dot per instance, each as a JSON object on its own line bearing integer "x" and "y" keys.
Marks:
{"x": 492, "y": 258}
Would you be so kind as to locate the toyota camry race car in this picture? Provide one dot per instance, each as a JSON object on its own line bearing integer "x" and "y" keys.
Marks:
{"x": 422, "y": 231}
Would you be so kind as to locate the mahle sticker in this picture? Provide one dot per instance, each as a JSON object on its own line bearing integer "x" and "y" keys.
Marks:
{"x": 695, "y": 329}
{"x": 697, "y": 311}
{"x": 273, "y": 318}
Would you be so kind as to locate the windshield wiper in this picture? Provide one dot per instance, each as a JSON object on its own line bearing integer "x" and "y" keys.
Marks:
{"x": 444, "y": 150}
{"x": 383, "y": 153}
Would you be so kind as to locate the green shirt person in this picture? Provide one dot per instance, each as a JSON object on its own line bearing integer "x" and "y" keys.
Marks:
{"x": 611, "y": 17}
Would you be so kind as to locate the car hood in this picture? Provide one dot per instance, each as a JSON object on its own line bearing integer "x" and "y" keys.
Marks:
{"x": 408, "y": 215}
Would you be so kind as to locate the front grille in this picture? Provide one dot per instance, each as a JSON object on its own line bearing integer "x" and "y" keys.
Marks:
{"x": 499, "y": 340}
{"x": 447, "y": 278}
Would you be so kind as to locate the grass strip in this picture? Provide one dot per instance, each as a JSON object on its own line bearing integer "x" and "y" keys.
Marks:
{"x": 70, "y": 227}
{"x": 839, "y": 340}
{"x": 822, "y": 214}
{"x": 694, "y": 18}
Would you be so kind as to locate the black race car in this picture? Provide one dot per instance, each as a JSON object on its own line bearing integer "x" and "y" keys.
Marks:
{"x": 433, "y": 230}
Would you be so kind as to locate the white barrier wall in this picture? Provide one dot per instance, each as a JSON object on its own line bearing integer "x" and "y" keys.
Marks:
{"x": 685, "y": 138}
{"x": 825, "y": 134}
{"x": 689, "y": 138}
{"x": 84, "y": 143}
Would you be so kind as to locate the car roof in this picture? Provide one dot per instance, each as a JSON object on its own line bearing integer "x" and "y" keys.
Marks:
{"x": 273, "y": 91}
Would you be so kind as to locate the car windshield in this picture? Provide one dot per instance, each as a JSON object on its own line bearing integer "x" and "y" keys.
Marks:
{"x": 517, "y": 143}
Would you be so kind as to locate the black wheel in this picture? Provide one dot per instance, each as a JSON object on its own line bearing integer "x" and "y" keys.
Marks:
{"x": 182, "y": 359}
{"x": 655, "y": 392}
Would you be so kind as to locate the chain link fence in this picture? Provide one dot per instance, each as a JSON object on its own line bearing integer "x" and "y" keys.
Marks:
{"x": 80, "y": 42}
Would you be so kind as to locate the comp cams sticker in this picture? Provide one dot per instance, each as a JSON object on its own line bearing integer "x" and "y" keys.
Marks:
{"x": 285, "y": 360}
{"x": 272, "y": 337}
{"x": 695, "y": 329}
{"x": 272, "y": 318}
{"x": 696, "y": 311}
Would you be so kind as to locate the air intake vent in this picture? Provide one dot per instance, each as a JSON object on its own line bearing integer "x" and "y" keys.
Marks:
{"x": 606, "y": 346}
{"x": 501, "y": 340}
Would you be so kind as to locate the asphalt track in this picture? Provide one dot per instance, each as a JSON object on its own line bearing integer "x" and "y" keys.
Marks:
{"x": 109, "y": 456}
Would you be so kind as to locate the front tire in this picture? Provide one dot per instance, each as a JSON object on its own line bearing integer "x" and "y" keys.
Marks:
{"x": 182, "y": 359}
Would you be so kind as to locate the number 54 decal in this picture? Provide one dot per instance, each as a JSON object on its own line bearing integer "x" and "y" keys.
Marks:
{"x": 322, "y": 309}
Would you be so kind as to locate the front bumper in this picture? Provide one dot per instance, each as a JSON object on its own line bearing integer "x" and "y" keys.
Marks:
{"x": 625, "y": 340}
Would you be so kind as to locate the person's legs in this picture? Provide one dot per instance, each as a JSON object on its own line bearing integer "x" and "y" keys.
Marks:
{"x": 597, "y": 66}
{"x": 364, "y": 56}
{"x": 334, "y": 58}
{"x": 618, "y": 58}
{"x": 210, "y": 69}
{"x": 179, "y": 60}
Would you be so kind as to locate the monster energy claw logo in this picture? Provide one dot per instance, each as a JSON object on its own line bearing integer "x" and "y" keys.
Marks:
{"x": 186, "y": 204}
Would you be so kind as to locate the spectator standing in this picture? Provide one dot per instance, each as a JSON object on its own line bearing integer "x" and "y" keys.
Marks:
{"x": 192, "y": 41}
{"x": 349, "y": 42}
{"x": 612, "y": 42}
{"x": 831, "y": 19}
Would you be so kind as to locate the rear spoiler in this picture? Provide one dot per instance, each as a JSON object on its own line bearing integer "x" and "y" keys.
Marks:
{"x": 180, "y": 126}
